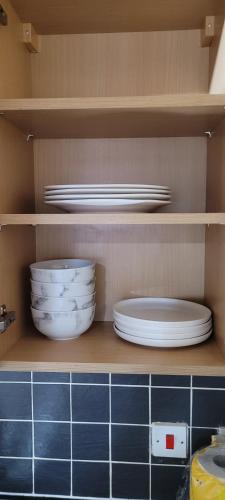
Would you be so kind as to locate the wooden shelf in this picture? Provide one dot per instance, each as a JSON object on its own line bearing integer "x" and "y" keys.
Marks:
{"x": 93, "y": 16}
{"x": 100, "y": 350}
{"x": 114, "y": 218}
{"x": 141, "y": 116}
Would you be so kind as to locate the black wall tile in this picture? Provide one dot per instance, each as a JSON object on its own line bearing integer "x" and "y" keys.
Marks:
{"x": 165, "y": 481}
{"x": 130, "y": 481}
{"x": 91, "y": 479}
{"x": 208, "y": 408}
{"x": 209, "y": 382}
{"x": 16, "y": 439}
{"x": 170, "y": 405}
{"x": 90, "y": 441}
{"x": 90, "y": 378}
{"x": 90, "y": 403}
{"x": 15, "y": 376}
{"x": 130, "y": 443}
{"x": 52, "y": 477}
{"x": 130, "y": 405}
{"x": 171, "y": 380}
{"x": 201, "y": 438}
{"x": 125, "y": 379}
{"x": 51, "y": 377}
{"x": 51, "y": 402}
{"x": 15, "y": 475}
{"x": 52, "y": 440}
{"x": 15, "y": 401}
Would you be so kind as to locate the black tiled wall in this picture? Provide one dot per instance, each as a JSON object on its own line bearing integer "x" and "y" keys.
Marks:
{"x": 88, "y": 435}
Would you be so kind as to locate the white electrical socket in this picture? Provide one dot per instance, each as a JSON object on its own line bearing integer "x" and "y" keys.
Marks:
{"x": 169, "y": 440}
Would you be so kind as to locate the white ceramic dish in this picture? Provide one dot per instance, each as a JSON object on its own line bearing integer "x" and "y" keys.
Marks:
{"x": 62, "y": 289}
{"x": 108, "y": 205}
{"x": 129, "y": 326}
{"x": 63, "y": 271}
{"x": 148, "y": 342}
{"x": 116, "y": 196}
{"x": 106, "y": 186}
{"x": 149, "y": 311}
{"x": 106, "y": 191}
{"x": 62, "y": 304}
{"x": 163, "y": 334}
{"x": 63, "y": 325}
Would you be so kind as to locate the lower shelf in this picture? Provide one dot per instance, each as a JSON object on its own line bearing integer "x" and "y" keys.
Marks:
{"x": 100, "y": 350}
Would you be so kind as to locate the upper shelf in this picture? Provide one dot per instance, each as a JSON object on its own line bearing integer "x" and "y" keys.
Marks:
{"x": 102, "y": 16}
{"x": 141, "y": 116}
{"x": 116, "y": 218}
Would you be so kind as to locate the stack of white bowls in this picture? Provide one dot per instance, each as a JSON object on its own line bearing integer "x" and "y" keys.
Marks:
{"x": 63, "y": 297}
{"x": 162, "y": 322}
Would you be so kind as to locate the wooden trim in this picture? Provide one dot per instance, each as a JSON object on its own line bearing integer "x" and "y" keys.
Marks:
{"x": 158, "y": 102}
{"x": 107, "y": 219}
{"x": 30, "y": 38}
{"x": 217, "y": 56}
{"x": 100, "y": 350}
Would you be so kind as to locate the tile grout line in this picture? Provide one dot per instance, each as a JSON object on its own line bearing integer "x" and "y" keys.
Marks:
{"x": 149, "y": 437}
{"x": 71, "y": 439}
{"x": 191, "y": 410}
{"x": 110, "y": 437}
{"x": 32, "y": 416}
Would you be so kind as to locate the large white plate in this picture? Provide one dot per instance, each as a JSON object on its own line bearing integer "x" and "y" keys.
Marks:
{"x": 108, "y": 197}
{"x": 106, "y": 191}
{"x": 104, "y": 205}
{"x": 164, "y": 333}
{"x": 150, "y": 311}
{"x": 109, "y": 186}
{"x": 162, "y": 343}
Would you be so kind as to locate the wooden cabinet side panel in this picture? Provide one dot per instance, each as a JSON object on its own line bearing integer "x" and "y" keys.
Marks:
{"x": 15, "y": 78}
{"x": 215, "y": 235}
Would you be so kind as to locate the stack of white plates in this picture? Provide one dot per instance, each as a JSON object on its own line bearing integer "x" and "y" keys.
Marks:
{"x": 107, "y": 197}
{"x": 162, "y": 322}
{"x": 63, "y": 297}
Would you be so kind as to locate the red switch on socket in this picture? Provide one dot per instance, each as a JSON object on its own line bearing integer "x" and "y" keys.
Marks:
{"x": 170, "y": 441}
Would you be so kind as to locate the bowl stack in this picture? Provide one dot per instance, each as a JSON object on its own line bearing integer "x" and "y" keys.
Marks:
{"x": 162, "y": 322}
{"x": 63, "y": 297}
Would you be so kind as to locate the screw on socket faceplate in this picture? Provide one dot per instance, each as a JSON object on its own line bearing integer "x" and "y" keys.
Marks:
{"x": 3, "y": 17}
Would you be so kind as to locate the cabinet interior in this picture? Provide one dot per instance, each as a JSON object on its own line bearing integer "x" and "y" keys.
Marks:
{"x": 167, "y": 146}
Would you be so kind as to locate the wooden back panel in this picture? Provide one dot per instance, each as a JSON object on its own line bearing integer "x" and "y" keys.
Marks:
{"x": 117, "y": 64}
{"x": 158, "y": 261}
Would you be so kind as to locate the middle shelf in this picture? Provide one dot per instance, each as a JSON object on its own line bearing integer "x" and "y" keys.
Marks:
{"x": 112, "y": 218}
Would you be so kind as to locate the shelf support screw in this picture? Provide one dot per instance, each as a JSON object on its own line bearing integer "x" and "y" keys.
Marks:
{"x": 30, "y": 137}
{"x": 209, "y": 133}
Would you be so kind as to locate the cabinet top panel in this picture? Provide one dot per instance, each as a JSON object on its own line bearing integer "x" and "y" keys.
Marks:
{"x": 108, "y": 16}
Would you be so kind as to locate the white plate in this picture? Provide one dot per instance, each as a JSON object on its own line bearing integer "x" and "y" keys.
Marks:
{"x": 106, "y": 191}
{"x": 124, "y": 196}
{"x": 165, "y": 333}
{"x": 106, "y": 186}
{"x": 104, "y": 205}
{"x": 150, "y": 311}
{"x": 162, "y": 343}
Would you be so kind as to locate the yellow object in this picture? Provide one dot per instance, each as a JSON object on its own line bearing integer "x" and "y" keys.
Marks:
{"x": 205, "y": 486}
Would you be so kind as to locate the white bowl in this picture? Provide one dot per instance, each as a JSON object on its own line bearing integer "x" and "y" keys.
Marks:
{"x": 62, "y": 304}
{"x": 62, "y": 289}
{"x": 63, "y": 270}
{"x": 63, "y": 325}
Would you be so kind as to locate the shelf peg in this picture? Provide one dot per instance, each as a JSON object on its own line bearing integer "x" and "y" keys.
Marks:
{"x": 30, "y": 137}
{"x": 209, "y": 133}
